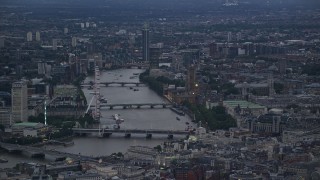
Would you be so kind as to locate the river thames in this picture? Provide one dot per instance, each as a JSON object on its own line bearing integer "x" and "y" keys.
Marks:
{"x": 157, "y": 118}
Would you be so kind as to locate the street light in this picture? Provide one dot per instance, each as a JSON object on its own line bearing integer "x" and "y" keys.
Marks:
{"x": 45, "y": 111}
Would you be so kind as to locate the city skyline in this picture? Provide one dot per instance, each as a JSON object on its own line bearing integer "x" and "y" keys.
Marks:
{"x": 155, "y": 90}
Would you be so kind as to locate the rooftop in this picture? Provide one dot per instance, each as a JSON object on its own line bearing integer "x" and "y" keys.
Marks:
{"x": 242, "y": 104}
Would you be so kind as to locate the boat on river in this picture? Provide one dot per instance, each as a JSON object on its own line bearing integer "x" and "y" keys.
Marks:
{"x": 103, "y": 100}
{"x": 178, "y": 111}
{"x": 117, "y": 118}
{"x": 2, "y": 160}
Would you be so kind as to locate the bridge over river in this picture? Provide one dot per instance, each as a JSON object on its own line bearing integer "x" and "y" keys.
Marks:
{"x": 136, "y": 105}
{"x": 43, "y": 153}
{"x": 116, "y": 83}
{"x": 127, "y": 132}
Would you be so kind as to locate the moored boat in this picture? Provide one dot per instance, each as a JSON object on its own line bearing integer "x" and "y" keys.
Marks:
{"x": 178, "y": 111}
{"x": 2, "y": 160}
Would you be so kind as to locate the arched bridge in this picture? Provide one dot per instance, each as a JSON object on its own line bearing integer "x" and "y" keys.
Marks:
{"x": 43, "y": 153}
{"x": 137, "y": 105}
{"x": 139, "y": 65}
{"x": 128, "y": 132}
{"x": 122, "y": 84}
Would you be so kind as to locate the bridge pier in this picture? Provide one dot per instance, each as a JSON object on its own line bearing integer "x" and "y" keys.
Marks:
{"x": 164, "y": 106}
{"x": 106, "y": 134}
{"x": 111, "y": 107}
{"x": 38, "y": 155}
{"x": 170, "y": 136}
{"x": 149, "y": 136}
{"x": 138, "y": 107}
{"x": 127, "y": 135}
{"x": 81, "y": 134}
{"x": 151, "y": 106}
{"x": 33, "y": 154}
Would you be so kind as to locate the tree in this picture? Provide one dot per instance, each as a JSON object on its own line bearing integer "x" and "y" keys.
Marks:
{"x": 158, "y": 148}
{"x": 278, "y": 88}
{"x": 215, "y": 118}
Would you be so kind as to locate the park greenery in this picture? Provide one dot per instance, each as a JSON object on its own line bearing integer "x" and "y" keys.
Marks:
{"x": 63, "y": 122}
{"x": 27, "y": 140}
{"x": 215, "y": 83}
{"x": 62, "y": 133}
{"x": 278, "y": 88}
{"x": 311, "y": 69}
{"x": 23, "y": 140}
{"x": 77, "y": 83}
{"x": 158, "y": 148}
{"x": 157, "y": 84}
{"x": 2, "y": 127}
{"x": 215, "y": 118}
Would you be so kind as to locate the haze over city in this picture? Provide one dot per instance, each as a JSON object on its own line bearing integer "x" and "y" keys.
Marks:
{"x": 159, "y": 89}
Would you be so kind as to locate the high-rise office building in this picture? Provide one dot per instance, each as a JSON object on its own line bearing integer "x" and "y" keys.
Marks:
{"x": 38, "y": 36}
{"x": 74, "y": 42}
{"x": 155, "y": 53}
{"x": 19, "y": 101}
{"x": 145, "y": 45}
{"x": 29, "y": 36}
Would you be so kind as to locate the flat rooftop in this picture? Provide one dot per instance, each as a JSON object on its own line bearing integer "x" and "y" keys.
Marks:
{"x": 242, "y": 104}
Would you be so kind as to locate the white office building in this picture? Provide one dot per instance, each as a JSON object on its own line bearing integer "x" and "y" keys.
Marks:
{"x": 38, "y": 36}
{"x": 29, "y": 36}
{"x": 74, "y": 42}
{"x": 65, "y": 30}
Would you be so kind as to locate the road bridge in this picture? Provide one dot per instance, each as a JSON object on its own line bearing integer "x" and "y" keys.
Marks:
{"x": 122, "y": 84}
{"x": 43, "y": 153}
{"x": 127, "y": 132}
{"x": 136, "y": 105}
{"x": 141, "y": 65}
